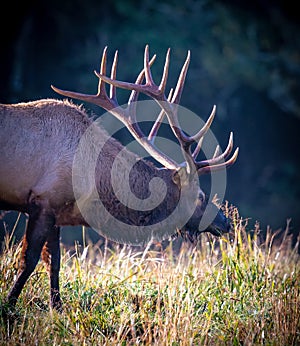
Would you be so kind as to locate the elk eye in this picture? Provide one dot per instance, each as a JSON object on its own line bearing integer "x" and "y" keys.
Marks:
{"x": 201, "y": 196}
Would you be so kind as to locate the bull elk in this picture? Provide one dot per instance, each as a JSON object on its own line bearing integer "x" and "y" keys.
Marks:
{"x": 38, "y": 143}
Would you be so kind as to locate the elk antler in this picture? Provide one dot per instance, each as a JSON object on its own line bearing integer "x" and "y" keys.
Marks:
{"x": 169, "y": 107}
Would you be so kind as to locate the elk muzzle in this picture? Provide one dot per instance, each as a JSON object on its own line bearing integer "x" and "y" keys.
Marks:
{"x": 219, "y": 226}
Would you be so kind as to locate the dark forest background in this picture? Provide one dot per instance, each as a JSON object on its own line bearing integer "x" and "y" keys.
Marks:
{"x": 245, "y": 59}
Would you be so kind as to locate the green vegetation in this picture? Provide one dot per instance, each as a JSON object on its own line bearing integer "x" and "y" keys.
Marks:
{"x": 236, "y": 290}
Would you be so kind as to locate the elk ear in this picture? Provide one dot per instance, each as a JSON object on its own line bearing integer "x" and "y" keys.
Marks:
{"x": 180, "y": 176}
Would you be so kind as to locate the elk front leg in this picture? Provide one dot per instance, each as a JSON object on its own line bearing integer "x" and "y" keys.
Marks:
{"x": 39, "y": 225}
{"x": 51, "y": 256}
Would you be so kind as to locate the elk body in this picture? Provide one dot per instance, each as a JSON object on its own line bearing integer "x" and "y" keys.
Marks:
{"x": 38, "y": 143}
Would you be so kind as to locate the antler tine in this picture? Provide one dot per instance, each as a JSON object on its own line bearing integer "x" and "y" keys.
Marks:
{"x": 227, "y": 151}
{"x": 217, "y": 151}
{"x": 220, "y": 166}
{"x": 198, "y": 148}
{"x": 181, "y": 80}
{"x": 134, "y": 97}
{"x": 101, "y": 85}
{"x": 206, "y": 126}
{"x": 135, "y": 93}
{"x": 113, "y": 74}
{"x": 148, "y": 75}
{"x": 163, "y": 82}
{"x": 218, "y": 158}
{"x": 200, "y": 135}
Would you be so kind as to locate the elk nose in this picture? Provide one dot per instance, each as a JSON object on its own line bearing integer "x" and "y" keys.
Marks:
{"x": 221, "y": 224}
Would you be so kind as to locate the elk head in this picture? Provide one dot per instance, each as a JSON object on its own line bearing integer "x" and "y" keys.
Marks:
{"x": 184, "y": 175}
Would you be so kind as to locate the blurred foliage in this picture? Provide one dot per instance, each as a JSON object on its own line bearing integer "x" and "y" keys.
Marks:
{"x": 230, "y": 45}
{"x": 245, "y": 58}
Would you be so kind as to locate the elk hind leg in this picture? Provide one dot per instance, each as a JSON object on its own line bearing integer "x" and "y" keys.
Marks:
{"x": 36, "y": 233}
{"x": 51, "y": 257}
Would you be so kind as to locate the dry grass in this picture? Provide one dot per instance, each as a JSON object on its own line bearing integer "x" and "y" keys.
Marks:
{"x": 236, "y": 290}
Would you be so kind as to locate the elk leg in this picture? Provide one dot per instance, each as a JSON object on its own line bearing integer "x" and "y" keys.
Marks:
{"x": 51, "y": 256}
{"x": 37, "y": 230}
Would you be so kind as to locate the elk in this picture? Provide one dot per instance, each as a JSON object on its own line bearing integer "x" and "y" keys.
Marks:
{"x": 39, "y": 141}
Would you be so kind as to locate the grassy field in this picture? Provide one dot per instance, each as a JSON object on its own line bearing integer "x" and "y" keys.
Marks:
{"x": 237, "y": 290}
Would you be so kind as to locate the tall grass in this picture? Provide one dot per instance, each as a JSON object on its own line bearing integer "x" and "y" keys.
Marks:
{"x": 237, "y": 290}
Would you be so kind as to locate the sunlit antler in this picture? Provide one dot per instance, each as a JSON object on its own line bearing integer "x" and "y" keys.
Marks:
{"x": 169, "y": 107}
